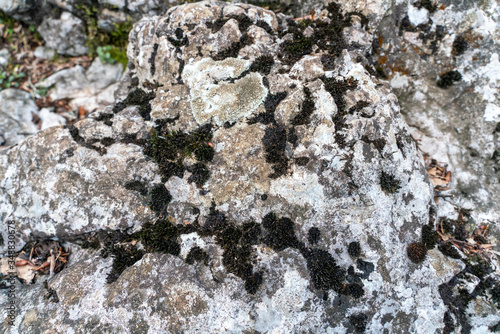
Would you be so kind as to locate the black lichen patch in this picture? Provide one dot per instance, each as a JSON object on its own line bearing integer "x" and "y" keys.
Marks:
{"x": 306, "y": 110}
{"x": 263, "y": 64}
{"x": 196, "y": 254}
{"x": 138, "y": 186}
{"x": 123, "y": 257}
{"x": 313, "y": 235}
{"x": 160, "y": 197}
{"x": 160, "y": 236}
{"x": 270, "y": 104}
{"x": 460, "y": 45}
{"x": 389, "y": 183}
{"x": 354, "y": 249}
{"x": 274, "y": 142}
{"x": 416, "y": 252}
{"x": 447, "y": 79}
{"x": 359, "y": 322}
{"x": 199, "y": 174}
{"x": 170, "y": 148}
{"x": 140, "y": 98}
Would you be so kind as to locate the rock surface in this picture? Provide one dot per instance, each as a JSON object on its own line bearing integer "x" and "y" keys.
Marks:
{"x": 284, "y": 164}
{"x": 16, "y": 116}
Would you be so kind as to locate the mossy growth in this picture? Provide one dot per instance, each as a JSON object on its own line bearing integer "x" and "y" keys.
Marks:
{"x": 389, "y": 183}
{"x": 196, "y": 254}
{"x": 416, "y": 252}
{"x": 307, "y": 109}
{"x": 123, "y": 257}
{"x": 427, "y": 4}
{"x": 280, "y": 233}
{"x": 170, "y": 148}
{"x": 459, "y": 46}
{"x": 359, "y": 322}
{"x": 447, "y": 79}
{"x": 325, "y": 273}
{"x": 236, "y": 241}
{"x": 354, "y": 249}
{"x": 274, "y": 141}
{"x": 160, "y": 236}
{"x": 140, "y": 98}
{"x": 270, "y": 104}
{"x": 51, "y": 293}
{"x": 263, "y": 64}
{"x": 337, "y": 89}
{"x": 138, "y": 186}
{"x": 110, "y": 46}
{"x": 327, "y": 36}
{"x": 429, "y": 236}
{"x": 199, "y": 174}
{"x": 160, "y": 197}
{"x": 313, "y": 235}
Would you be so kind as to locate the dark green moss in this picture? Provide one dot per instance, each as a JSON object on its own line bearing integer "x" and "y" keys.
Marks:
{"x": 107, "y": 141}
{"x": 429, "y": 236}
{"x": 281, "y": 234}
{"x": 354, "y": 249}
{"x": 427, "y": 4}
{"x": 204, "y": 152}
{"x": 306, "y": 110}
{"x": 160, "y": 197}
{"x": 137, "y": 186}
{"x": 389, "y": 183}
{"x": 313, "y": 235}
{"x": 355, "y": 290}
{"x": 460, "y": 45}
{"x": 325, "y": 274}
{"x": 179, "y": 39}
{"x": 160, "y": 236}
{"x": 140, "y": 98}
{"x": 359, "y": 322}
{"x": 196, "y": 254}
{"x": 302, "y": 161}
{"x": 447, "y": 79}
{"x": 199, "y": 174}
{"x": 274, "y": 142}
{"x": 449, "y": 250}
{"x": 123, "y": 257}
{"x": 263, "y": 64}
{"x": 152, "y": 59}
{"x": 170, "y": 148}
{"x": 270, "y": 104}
{"x": 327, "y": 36}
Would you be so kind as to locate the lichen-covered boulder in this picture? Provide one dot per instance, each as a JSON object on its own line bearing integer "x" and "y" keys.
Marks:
{"x": 257, "y": 179}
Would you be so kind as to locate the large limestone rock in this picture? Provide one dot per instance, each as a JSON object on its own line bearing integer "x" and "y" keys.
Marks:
{"x": 277, "y": 175}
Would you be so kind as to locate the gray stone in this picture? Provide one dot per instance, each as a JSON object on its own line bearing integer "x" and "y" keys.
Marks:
{"x": 16, "y": 120}
{"x": 66, "y": 34}
{"x": 4, "y": 57}
{"x": 312, "y": 154}
{"x": 91, "y": 88}
{"x": 44, "y": 53}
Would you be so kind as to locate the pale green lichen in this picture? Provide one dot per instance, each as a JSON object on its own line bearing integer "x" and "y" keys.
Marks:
{"x": 217, "y": 94}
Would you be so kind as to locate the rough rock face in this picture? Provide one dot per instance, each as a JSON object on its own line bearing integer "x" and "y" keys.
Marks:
{"x": 273, "y": 172}
{"x": 16, "y": 108}
{"x": 451, "y": 106}
{"x": 65, "y": 34}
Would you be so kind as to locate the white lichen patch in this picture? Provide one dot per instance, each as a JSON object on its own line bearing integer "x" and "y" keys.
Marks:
{"x": 215, "y": 97}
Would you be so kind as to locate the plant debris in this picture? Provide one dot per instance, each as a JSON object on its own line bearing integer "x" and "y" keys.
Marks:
{"x": 37, "y": 258}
